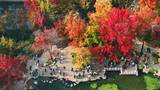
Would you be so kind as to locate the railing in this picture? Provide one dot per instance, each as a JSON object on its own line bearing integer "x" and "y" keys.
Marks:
{"x": 113, "y": 69}
{"x": 129, "y": 72}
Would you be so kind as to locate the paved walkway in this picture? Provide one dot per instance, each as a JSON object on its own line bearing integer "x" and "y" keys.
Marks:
{"x": 63, "y": 69}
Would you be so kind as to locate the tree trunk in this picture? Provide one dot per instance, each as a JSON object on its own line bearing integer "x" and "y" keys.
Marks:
{"x": 141, "y": 53}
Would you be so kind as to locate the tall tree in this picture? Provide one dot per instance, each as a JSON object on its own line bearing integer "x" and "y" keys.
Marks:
{"x": 117, "y": 33}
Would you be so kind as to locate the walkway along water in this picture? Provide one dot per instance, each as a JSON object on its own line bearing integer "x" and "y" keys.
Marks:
{"x": 63, "y": 69}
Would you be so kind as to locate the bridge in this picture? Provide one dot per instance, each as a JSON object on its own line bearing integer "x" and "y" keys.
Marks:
{"x": 113, "y": 69}
{"x": 131, "y": 70}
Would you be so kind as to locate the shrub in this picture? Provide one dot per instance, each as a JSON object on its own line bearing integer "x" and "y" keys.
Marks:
{"x": 152, "y": 70}
{"x": 152, "y": 83}
{"x": 141, "y": 66}
{"x": 93, "y": 85}
{"x": 155, "y": 57}
{"x": 108, "y": 87}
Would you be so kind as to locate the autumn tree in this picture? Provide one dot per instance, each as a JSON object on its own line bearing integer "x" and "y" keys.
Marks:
{"x": 45, "y": 42}
{"x": 148, "y": 11}
{"x": 75, "y": 29}
{"x": 11, "y": 70}
{"x": 40, "y": 12}
{"x": 117, "y": 33}
{"x": 102, "y": 8}
{"x": 149, "y": 19}
{"x": 81, "y": 58}
{"x": 35, "y": 13}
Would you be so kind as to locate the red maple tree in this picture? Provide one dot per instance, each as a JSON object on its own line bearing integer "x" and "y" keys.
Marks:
{"x": 11, "y": 70}
{"x": 116, "y": 33}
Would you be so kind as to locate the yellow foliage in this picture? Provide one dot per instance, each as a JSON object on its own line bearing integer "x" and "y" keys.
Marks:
{"x": 8, "y": 43}
{"x": 102, "y": 8}
{"x": 44, "y": 5}
{"x": 92, "y": 28}
{"x": 81, "y": 57}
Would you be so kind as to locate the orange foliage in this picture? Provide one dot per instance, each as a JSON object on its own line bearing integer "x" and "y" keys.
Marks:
{"x": 147, "y": 13}
{"x": 150, "y": 3}
{"x": 75, "y": 28}
{"x": 148, "y": 10}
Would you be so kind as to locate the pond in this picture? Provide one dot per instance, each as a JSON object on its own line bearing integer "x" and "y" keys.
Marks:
{"x": 123, "y": 83}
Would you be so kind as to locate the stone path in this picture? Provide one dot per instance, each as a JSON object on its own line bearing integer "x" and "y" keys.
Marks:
{"x": 62, "y": 69}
